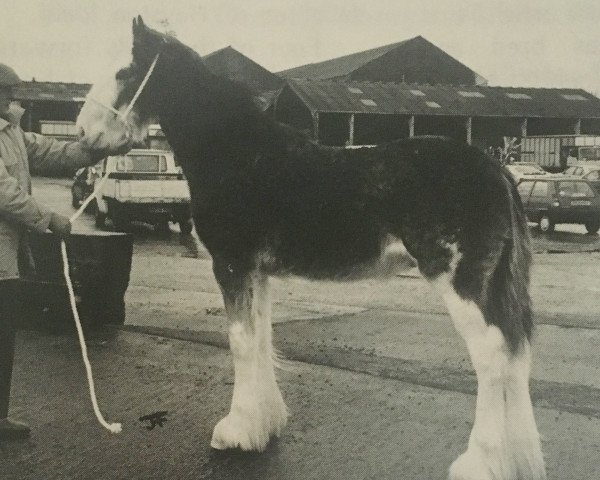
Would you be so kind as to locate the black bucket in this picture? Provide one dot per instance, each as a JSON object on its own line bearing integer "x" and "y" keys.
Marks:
{"x": 100, "y": 265}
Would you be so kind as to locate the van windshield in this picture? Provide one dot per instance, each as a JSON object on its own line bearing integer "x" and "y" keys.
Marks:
{"x": 142, "y": 163}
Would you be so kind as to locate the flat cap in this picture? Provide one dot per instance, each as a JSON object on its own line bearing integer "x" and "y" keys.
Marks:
{"x": 8, "y": 77}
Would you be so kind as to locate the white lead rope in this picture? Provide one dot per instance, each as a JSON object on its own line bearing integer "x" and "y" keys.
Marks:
{"x": 112, "y": 427}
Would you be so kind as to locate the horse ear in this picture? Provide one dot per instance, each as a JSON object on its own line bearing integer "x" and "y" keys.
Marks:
{"x": 138, "y": 24}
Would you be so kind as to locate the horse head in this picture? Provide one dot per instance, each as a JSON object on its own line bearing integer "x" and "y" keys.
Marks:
{"x": 137, "y": 94}
{"x": 168, "y": 82}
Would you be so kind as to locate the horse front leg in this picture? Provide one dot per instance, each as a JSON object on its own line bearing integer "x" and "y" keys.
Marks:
{"x": 257, "y": 407}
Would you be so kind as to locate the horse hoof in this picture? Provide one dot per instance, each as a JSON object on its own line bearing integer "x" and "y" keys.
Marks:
{"x": 469, "y": 467}
{"x": 234, "y": 431}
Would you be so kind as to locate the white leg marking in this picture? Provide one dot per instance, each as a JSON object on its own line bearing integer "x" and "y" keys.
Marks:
{"x": 257, "y": 407}
{"x": 504, "y": 443}
{"x": 521, "y": 426}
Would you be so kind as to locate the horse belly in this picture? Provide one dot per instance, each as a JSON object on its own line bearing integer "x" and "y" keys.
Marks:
{"x": 354, "y": 259}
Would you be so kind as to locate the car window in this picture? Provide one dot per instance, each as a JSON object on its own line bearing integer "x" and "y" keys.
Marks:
{"x": 540, "y": 189}
{"x": 575, "y": 190}
{"x": 593, "y": 175}
{"x": 524, "y": 189}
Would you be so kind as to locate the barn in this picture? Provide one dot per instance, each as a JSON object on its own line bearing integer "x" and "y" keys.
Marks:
{"x": 415, "y": 60}
{"x": 51, "y": 108}
{"x": 367, "y": 112}
{"x": 415, "y": 88}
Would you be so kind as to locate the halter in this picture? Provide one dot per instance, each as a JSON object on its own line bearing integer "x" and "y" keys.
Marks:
{"x": 123, "y": 115}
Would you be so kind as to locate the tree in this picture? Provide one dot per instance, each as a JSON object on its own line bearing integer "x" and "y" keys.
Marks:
{"x": 166, "y": 27}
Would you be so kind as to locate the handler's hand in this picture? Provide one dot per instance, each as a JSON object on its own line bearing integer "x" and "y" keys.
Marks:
{"x": 121, "y": 148}
{"x": 60, "y": 225}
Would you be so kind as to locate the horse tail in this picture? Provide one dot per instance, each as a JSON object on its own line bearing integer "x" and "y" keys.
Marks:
{"x": 509, "y": 300}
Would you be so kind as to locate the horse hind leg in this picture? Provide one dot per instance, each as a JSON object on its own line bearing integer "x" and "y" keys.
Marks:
{"x": 504, "y": 442}
{"x": 257, "y": 411}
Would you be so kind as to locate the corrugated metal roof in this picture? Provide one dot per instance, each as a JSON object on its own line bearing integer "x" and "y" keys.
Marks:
{"x": 230, "y": 63}
{"x": 403, "y": 98}
{"x": 51, "y": 91}
{"x": 340, "y": 66}
{"x": 345, "y": 66}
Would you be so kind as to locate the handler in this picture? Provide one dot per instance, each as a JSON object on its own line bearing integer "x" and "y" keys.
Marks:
{"x": 19, "y": 212}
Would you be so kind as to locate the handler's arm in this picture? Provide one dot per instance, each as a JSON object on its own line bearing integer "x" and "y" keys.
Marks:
{"x": 48, "y": 156}
{"x": 18, "y": 206}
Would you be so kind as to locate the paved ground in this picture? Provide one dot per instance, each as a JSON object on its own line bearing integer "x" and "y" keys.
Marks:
{"x": 377, "y": 381}
{"x": 402, "y": 430}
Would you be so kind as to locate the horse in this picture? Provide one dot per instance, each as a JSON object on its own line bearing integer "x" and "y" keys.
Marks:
{"x": 267, "y": 200}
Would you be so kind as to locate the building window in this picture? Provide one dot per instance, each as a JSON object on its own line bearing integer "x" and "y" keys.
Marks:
{"x": 433, "y": 104}
{"x": 368, "y": 102}
{"x": 354, "y": 90}
{"x": 471, "y": 94}
{"x": 518, "y": 96}
{"x": 417, "y": 93}
{"x": 573, "y": 96}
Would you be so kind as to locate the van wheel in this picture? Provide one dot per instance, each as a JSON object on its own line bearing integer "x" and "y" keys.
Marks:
{"x": 546, "y": 225}
{"x": 593, "y": 227}
{"x": 186, "y": 226}
{"x": 100, "y": 218}
{"x": 119, "y": 218}
{"x": 120, "y": 222}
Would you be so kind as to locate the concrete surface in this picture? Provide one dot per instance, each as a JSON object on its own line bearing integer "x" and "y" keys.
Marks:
{"x": 344, "y": 425}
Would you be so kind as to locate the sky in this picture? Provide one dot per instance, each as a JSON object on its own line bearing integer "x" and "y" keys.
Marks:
{"x": 522, "y": 43}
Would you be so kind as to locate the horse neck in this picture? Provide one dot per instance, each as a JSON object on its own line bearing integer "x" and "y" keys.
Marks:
{"x": 227, "y": 131}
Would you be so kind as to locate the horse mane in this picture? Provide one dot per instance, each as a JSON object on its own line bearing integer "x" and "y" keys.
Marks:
{"x": 215, "y": 107}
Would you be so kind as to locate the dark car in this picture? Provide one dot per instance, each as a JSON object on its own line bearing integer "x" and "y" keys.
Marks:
{"x": 588, "y": 171}
{"x": 83, "y": 185}
{"x": 549, "y": 200}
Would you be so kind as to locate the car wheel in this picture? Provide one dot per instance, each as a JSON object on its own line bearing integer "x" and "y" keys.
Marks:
{"x": 592, "y": 227}
{"x": 162, "y": 227}
{"x": 76, "y": 194}
{"x": 545, "y": 224}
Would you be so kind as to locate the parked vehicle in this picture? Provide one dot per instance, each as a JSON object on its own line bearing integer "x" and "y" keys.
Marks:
{"x": 589, "y": 172}
{"x": 143, "y": 185}
{"x": 555, "y": 153}
{"x": 554, "y": 199}
{"x": 83, "y": 185}
{"x": 524, "y": 169}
